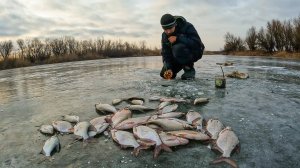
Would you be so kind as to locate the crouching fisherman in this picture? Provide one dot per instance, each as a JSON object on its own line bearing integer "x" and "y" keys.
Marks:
{"x": 181, "y": 47}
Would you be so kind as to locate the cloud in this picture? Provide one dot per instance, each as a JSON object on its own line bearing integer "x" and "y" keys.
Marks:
{"x": 137, "y": 20}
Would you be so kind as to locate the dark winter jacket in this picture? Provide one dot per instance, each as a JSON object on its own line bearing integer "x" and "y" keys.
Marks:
{"x": 186, "y": 34}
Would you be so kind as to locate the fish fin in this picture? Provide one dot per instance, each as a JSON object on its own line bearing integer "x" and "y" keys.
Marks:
{"x": 229, "y": 161}
{"x": 237, "y": 149}
{"x": 194, "y": 122}
{"x": 108, "y": 119}
{"x": 71, "y": 129}
{"x": 214, "y": 147}
{"x": 204, "y": 123}
{"x": 166, "y": 148}
{"x": 137, "y": 150}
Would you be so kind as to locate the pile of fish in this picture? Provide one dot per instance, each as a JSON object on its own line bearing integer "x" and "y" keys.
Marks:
{"x": 161, "y": 129}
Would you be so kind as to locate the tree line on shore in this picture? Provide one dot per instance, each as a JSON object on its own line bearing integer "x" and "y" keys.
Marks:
{"x": 35, "y": 51}
{"x": 276, "y": 36}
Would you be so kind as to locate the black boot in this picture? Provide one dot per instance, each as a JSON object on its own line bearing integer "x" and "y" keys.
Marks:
{"x": 189, "y": 73}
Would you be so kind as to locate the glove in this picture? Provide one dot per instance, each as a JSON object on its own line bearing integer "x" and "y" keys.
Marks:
{"x": 168, "y": 74}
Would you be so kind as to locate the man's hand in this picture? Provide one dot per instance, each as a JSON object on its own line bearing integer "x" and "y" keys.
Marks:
{"x": 168, "y": 74}
{"x": 172, "y": 39}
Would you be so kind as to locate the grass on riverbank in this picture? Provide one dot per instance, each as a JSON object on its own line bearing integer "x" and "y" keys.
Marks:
{"x": 281, "y": 54}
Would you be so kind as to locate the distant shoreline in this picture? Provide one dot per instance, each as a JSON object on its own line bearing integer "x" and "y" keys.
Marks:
{"x": 281, "y": 54}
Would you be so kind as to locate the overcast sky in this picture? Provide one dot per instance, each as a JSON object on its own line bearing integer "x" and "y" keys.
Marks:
{"x": 137, "y": 20}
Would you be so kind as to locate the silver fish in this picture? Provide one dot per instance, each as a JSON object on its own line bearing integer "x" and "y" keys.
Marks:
{"x": 170, "y": 124}
{"x": 119, "y": 117}
{"x": 105, "y": 108}
{"x": 84, "y": 130}
{"x": 173, "y": 100}
{"x": 50, "y": 145}
{"x": 70, "y": 118}
{"x": 201, "y": 101}
{"x": 137, "y": 102}
{"x": 189, "y": 134}
{"x": 116, "y": 101}
{"x": 134, "y": 98}
{"x": 195, "y": 119}
{"x": 237, "y": 74}
{"x": 46, "y": 129}
{"x": 126, "y": 139}
{"x": 139, "y": 108}
{"x": 131, "y": 122}
{"x": 62, "y": 126}
{"x": 154, "y": 98}
{"x": 169, "y": 108}
{"x": 100, "y": 124}
{"x": 171, "y": 115}
{"x": 171, "y": 140}
{"x": 226, "y": 143}
{"x": 163, "y": 104}
{"x": 214, "y": 127}
{"x": 149, "y": 134}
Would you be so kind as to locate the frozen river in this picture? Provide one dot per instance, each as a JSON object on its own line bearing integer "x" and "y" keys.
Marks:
{"x": 263, "y": 110}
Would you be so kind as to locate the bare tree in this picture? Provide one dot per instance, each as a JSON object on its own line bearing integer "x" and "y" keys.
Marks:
{"x": 265, "y": 40}
{"x": 5, "y": 49}
{"x": 275, "y": 29}
{"x": 297, "y": 34}
{"x": 288, "y": 35}
{"x": 142, "y": 47}
{"x": 22, "y": 47}
{"x": 233, "y": 43}
{"x": 251, "y": 38}
{"x": 58, "y": 47}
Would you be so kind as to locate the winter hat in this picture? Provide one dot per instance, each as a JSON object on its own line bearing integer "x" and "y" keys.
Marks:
{"x": 167, "y": 21}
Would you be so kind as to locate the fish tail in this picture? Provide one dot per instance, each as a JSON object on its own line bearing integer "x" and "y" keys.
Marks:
{"x": 137, "y": 150}
{"x": 159, "y": 148}
{"x": 157, "y": 151}
{"x": 166, "y": 148}
{"x": 229, "y": 161}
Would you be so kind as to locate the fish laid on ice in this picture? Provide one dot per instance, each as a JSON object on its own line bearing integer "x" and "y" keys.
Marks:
{"x": 51, "y": 145}
{"x": 239, "y": 75}
{"x": 126, "y": 139}
{"x": 225, "y": 63}
{"x": 46, "y": 129}
{"x": 100, "y": 124}
{"x": 154, "y": 98}
{"x": 134, "y": 98}
{"x": 170, "y": 115}
{"x": 189, "y": 134}
{"x": 170, "y": 124}
{"x": 131, "y": 122}
{"x": 84, "y": 130}
{"x": 137, "y": 102}
{"x": 173, "y": 100}
{"x": 63, "y": 126}
{"x": 195, "y": 119}
{"x": 226, "y": 143}
{"x": 163, "y": 104}
{"x": 120, "y": 116}
{"x": 214, "y": 127}
{"x": 139, "y": 108}
{"x": 70, "y": 118}
{"x": 116, "y": 101}
{"x": 171, "y": 140}
{"x": 105, "y": 108}
{"x": 145, "y": 133}
{"x": 169, "y": 108}
{"x": 201, "y": 101}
